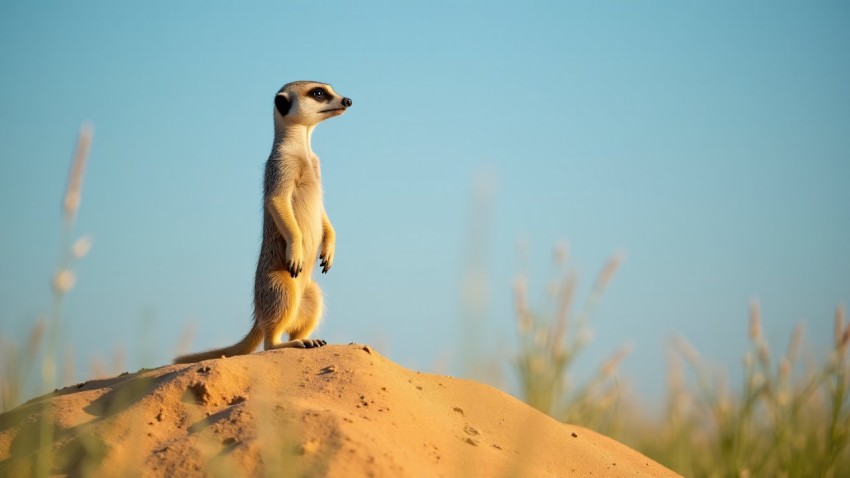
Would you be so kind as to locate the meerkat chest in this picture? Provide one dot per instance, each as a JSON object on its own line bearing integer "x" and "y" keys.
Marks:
{"x": 307, "y": 198}
{"x": 298, "y": 178}
{"x": 308, "y": 207}
{"x": 308, "y": 186}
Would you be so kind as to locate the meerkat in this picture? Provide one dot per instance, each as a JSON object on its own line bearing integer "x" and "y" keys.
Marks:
{"x": 296, "y": 228}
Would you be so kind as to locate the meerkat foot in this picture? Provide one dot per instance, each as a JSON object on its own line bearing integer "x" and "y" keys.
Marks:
{"x": 300, "y": 344}
{"x": 313, "y": 343}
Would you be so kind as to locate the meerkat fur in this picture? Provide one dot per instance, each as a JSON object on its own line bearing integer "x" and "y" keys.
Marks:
{"x": 296, "y": 228}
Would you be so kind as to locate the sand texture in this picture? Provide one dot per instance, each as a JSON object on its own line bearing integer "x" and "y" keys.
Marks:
{"x": 339, "y": 411}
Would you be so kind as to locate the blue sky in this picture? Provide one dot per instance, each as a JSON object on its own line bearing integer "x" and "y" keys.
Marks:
{"x": 708, "y": 142}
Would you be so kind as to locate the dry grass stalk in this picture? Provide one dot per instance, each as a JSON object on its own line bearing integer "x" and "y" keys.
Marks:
{"x": 609, "y": 367}
{"x": 560, "y": 254}
{"x": 523, "y": 314}
{"x": 562, "y": 313}
{"x": 794, "y": 344}
{"x": 18, "y": 365}
{"x": 687, "y": 350}
{"x": 549, "y": 346}
{"x": 842, "y": 333}
{"x": 755, "y": 321}
{"x": 64, "y": 278}
{"x": 73, "y": 192}
{"x": 604, "y": 277}
{"x": 777, "y": 425}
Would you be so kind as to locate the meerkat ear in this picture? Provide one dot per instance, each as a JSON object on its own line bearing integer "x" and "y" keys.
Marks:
{"x": 282, "y": 104}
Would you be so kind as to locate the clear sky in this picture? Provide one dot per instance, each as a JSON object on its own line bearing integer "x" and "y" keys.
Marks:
{"x": 710, "y": 142}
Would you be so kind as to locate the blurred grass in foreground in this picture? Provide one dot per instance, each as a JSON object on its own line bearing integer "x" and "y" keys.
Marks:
{"x": 778, "y": 423}
{"x": 17, "y": 365}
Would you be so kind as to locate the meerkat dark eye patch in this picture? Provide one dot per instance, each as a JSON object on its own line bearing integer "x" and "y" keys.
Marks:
{"x": 282, "y": 104}
{"x": 320, "y": 94}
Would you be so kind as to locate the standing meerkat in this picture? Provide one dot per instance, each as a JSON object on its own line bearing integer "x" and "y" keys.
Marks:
{"x": 296, "y": 228}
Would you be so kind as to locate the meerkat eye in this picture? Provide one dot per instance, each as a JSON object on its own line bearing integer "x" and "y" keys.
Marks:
{"x": 318, "y": 93}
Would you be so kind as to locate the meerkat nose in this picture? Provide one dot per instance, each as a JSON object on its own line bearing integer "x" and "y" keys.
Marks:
{"x": 346, "y": 102}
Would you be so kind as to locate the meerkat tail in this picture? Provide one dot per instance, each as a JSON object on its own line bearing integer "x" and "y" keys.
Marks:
{"x": 244, "y": 346}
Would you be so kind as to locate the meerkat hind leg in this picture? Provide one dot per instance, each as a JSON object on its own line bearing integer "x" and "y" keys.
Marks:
{"x": 278, "y": 310}
{"x": 309, "y": 314}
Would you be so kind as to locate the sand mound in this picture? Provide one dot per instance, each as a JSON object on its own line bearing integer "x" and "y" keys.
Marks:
{"x": 336, "y": 411}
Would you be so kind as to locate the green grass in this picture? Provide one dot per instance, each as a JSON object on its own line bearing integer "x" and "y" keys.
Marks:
{"x": 18, "y": 364}
{"x": 789, "y": 417}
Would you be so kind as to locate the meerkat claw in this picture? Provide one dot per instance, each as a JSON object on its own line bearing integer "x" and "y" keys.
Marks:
{"x": 294, "y": 269}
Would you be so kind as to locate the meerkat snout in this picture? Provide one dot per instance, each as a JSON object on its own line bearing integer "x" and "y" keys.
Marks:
{"x": 345, "y": 102}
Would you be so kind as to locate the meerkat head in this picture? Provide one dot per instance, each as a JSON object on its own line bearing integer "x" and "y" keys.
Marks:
{"x": 308, "y": 103}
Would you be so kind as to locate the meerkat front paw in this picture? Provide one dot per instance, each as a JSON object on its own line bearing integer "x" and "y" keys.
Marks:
{"x": 294, "y": 260}
{"x": 327, "y": 257}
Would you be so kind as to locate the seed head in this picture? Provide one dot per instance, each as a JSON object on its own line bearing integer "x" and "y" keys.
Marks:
{"x": 75, "y": 177}
{"x": 755, "y": 321}
{"x": 81, "y": 247}
{"x": 63, "y": 281}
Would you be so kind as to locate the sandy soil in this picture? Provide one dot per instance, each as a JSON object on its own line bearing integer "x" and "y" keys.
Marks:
{"x": 341, "y": 411}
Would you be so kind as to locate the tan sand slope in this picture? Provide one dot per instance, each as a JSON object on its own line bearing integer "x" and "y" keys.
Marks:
{"x": 340, "y": 411}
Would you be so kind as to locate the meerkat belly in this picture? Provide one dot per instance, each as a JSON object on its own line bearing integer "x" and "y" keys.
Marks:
{"x": 307, "y": 208}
